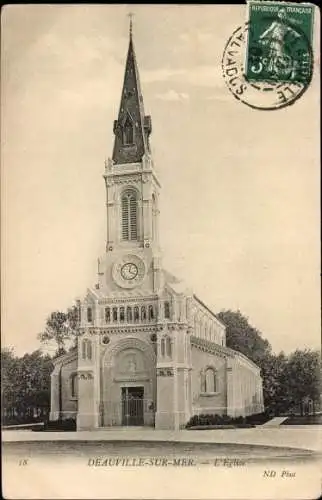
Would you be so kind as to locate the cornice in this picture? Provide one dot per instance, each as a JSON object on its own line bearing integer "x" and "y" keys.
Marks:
{"x": 210, "y": 347}
{"x": 131, "y": 299}
{"x": 124, "y": 329}
{"x": 164, "y": 372}
{"x": 83, "y": 374}
{"x": 133, "y": 328}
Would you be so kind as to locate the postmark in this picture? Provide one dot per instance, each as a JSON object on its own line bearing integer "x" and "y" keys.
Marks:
{"x": 261, "y": 72}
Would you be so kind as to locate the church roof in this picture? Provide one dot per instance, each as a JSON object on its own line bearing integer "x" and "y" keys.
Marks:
{"x": 214, "y": 348}
{"x": 132, "y": 128}
{"x": 67, "y": 356}
{"x": 209, "y": 310}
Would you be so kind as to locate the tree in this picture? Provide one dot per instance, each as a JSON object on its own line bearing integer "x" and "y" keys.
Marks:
{"x": 8, "y": 375}
{"x": 61, "y": 327}
{"x": 275, "y": 383}
{"x": 243, "y": 337}
{"x": 304, "y": 376}
{"x": 25, "y": 384}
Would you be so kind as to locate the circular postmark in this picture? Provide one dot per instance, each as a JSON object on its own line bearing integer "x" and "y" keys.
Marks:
{"x": 274, "y": 79}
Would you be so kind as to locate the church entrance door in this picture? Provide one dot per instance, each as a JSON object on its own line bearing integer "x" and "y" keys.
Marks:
{"x": 132, "y": 406}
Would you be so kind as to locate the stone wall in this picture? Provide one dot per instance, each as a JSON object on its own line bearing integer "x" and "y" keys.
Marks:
{"x": 244, "y": 387}
{"x": 69, "y": 402}
{"x": 208, "y": 402}
{"x": 65, "y": 368}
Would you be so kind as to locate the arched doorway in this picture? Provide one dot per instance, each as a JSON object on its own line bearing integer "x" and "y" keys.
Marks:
{"x": 128, "y": 388}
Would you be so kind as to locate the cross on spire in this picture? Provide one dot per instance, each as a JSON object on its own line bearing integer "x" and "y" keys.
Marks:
{"x": 131, "y": 15}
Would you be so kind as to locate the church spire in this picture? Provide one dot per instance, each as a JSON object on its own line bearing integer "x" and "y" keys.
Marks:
{"x": 132, "y": 128}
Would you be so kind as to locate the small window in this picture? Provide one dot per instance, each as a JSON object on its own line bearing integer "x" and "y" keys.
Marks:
{"x": 203, "y": 382}
{"x": 73, "y": 384}
{"x": 87, "y": 349}
{"x": 154, "y": 215}
{"x": 168, "y": 347}
{"x": 143, "y": 313}
{"x": 136, "y": 314}
{"x": 129, "y": 314}
{"x": 163, "y": 347}
{"x": 151, "y": 313}
{"x": 107, "y": 314}
{"x": 167, "y": 310}
{"x": 114, "y": 314}
{"x": 211, "y": 382}
{"x": 122, "y": 314}
{"x": 89, "y": 315}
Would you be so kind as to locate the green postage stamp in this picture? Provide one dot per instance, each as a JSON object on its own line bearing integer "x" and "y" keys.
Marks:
{"x": 279, "y": 45}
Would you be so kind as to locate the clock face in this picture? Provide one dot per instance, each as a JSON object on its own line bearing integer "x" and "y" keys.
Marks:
{"x": 128, "y": 271}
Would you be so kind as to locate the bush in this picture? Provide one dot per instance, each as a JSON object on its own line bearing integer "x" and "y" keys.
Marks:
{"x": 258, "y": 418}
{"x": 68, "y": 424}
{"x": 224, "y": 420}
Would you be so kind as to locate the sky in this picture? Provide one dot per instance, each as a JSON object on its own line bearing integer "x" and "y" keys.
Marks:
{"x": 240, "y": 199}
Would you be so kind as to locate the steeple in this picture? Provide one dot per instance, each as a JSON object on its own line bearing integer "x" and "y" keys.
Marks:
{"x": 132, "y": 128}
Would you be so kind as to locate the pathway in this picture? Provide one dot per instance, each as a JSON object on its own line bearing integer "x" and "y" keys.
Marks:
{"x": 275, "y": 422}
{"x": 304, "y": 437}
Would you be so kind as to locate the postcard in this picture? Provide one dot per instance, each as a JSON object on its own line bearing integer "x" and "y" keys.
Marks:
{"x": 161, "y": 251}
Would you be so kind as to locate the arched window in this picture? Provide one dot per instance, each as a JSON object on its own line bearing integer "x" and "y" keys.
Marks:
{"x": 87, "y": 349}
{"x": 129, "y": 314}
{"x": 168, "y": 347}
{"x": 163, "y": 347}
{"x": 151, "y": 313}
{"x": 128, "y": 132}
{"x": 107, "y": 314}
{"x": 167, "y": 310}
{"x": 122, "y": 314}
{"x": 211, "y": 382}
{"x": 89, "y": 315}
{"x": 73, "y": 385}
{"x": 154, "y": 215}
{"x": 129, "y": 215}
{"x": 143, "y": 313}
{"x": 136, "y": 313}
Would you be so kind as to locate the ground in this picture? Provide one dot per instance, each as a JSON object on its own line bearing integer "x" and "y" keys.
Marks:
{"x": 303, "y": 420}
{"x": 300, "y": 437}
{"x": 144, "y": 463}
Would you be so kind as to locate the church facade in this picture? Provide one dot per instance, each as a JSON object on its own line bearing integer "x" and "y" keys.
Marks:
{"x": 150, "y": 352}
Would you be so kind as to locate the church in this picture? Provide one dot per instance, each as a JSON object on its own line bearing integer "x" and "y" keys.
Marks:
{"x": 150, "y": 352}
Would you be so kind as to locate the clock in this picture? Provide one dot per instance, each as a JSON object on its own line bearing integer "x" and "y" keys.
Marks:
{"x": 129, "y": 271}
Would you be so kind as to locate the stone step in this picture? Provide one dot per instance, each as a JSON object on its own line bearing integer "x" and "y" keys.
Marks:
{"x": 275, "y": 422}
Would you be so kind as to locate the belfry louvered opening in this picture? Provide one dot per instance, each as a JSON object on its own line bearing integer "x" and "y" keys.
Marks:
{"x": 129, "y": 215}
{"x": 128, "y": 132}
